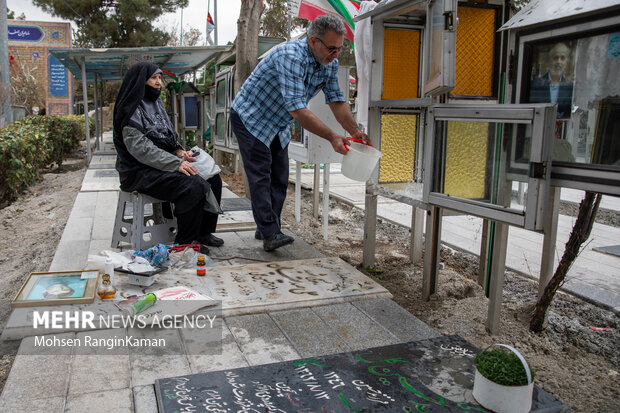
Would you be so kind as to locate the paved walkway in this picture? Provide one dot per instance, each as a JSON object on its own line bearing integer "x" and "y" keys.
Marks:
{"x": 252, "y": 334}
{"x": 357, "y": 315}
{"x": 595, "y": 276}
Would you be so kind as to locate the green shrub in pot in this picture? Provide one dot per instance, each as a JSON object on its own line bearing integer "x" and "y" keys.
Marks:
{"x": 503, "y": 381}
{"x": 502, "y": 367}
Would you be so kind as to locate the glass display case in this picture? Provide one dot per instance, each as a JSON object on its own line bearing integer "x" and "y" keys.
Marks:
{"x": 577, "y": 68}
{"x": 223, "y": 101}
{"x": 468, "y": 158}
{"x": 440, "y": 67}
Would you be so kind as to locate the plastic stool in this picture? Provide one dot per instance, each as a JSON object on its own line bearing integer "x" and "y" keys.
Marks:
{"x": 143, "y": 221}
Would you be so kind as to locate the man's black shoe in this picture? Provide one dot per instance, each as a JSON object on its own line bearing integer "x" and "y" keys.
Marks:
{"x": 258, "y": 235}
{"x": 211, "y": 240}
{"x": 276, "y": 241}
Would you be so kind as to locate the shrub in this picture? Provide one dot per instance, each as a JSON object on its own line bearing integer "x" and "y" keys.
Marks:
{"x": 502, "y": 367}
{"x": 33, "y": 143}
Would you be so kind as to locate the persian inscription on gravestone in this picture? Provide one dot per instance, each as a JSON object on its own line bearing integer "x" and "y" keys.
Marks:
{"x": 434, "y": 375}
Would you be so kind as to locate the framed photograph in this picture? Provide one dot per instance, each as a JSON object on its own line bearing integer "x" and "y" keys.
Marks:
{"x": 552, "y": 74}
{"x": 58, "y": 287}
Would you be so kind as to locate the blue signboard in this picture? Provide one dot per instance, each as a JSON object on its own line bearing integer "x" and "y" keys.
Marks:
{"x": 25, "y": 33}
{"x": 57, "y": 75}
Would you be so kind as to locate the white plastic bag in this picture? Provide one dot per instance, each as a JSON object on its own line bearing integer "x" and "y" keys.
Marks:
{"x": 205, "y": 164}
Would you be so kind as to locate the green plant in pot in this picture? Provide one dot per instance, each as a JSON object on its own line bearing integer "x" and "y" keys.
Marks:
{"x": 503, "y": 380}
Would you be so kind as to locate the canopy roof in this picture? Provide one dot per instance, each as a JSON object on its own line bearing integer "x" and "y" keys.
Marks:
{"x": 111, "y": 64}
{"x": 265, "y": 44}
{"x": 538, "y": 12}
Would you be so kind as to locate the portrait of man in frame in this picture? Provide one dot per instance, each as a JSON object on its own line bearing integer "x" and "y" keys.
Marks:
{"x": 552, "y": 76}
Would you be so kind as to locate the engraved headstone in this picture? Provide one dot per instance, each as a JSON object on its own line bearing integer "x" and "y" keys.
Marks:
{"x": 434, "y": 375}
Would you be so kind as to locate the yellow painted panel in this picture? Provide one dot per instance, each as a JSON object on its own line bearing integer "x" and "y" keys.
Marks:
{"x": 475, "y": 50}
{"x": 398, "y": 133}
{"x": 401, "y": 62}
{"x": 466, "y": 158}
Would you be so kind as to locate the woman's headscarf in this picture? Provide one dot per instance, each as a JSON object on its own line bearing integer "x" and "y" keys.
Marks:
{"x": 139, "y": 106}
{"x": 131, "y": 94}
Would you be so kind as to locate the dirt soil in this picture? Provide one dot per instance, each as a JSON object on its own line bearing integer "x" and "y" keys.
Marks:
{"x": 576, "y": 364}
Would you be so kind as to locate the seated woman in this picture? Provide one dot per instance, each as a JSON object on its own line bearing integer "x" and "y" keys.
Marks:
{"x": 151, "y": 161}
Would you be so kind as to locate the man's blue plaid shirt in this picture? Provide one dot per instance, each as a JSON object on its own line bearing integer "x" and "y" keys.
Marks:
{"x": 284, "y": 81}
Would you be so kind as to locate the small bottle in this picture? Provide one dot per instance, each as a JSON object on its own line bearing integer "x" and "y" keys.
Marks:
{"x": 109, "y": 269}
{"x": 106, "y": 289}
{"x": 201, "y": 265}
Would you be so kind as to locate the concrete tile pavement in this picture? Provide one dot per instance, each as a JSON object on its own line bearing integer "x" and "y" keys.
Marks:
{"x": 594, "y": 276}
{"x": 70, "y": 382}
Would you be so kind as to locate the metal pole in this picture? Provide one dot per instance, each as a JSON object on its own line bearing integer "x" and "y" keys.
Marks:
{"x": 215, "y": 22}
{"x": 85, "y": 93}
{"x": 181, "y": 39}
{"x": 207, "y": 23}
{"x": 96, "y": 101}
{"x": 101, "y": 95}
{"x": 5, "y": 79}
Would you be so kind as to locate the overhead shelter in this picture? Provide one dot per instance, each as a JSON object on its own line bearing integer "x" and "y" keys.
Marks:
{"x": 97, "y": 65}
{"x": 265, "y": 44}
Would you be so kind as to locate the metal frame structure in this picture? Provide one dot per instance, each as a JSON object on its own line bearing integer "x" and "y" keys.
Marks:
{"x": 540, "y": 19}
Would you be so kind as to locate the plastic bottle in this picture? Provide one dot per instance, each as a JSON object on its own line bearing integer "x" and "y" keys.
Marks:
{"x": 140, "y": 304}
{"x": 201, "y": 265}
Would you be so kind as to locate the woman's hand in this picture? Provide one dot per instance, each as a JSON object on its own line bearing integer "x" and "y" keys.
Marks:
{"x": 186, "y": 155}
{"x": 187, "y": 168}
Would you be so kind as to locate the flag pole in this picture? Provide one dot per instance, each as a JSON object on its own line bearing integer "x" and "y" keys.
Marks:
{"x": 181, "y": 38}
{"x": 215, "y": 21}
{"x": 207, "y": 23}
{"x": 204, "y": 73}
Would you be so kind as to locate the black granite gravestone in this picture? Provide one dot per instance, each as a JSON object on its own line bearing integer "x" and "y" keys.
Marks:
{"x": 434, "y": 375}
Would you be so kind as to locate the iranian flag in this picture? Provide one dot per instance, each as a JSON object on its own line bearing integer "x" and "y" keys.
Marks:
{"x": 311, "y": 9}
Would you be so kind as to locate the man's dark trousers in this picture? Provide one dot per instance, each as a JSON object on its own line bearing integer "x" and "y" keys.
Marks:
{"x": 267, "y": 172}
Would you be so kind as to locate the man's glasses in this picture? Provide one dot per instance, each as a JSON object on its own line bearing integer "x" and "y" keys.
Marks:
{"x": 331, "y": 49}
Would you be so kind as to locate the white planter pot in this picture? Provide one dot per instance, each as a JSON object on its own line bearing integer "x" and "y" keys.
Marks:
{"x": 504, "y": 399}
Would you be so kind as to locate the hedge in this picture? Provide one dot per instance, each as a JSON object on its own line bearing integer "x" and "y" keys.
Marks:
{"x": 33, "y": 143}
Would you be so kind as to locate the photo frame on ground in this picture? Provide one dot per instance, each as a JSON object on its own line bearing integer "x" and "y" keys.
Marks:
{"x": 57, "y": 287}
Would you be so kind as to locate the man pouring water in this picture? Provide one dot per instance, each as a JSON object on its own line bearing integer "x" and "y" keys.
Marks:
{"x": 276, "y": 93}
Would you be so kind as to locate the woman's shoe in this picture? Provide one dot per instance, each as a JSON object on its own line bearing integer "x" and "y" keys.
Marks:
{"x": 211, "y": 240}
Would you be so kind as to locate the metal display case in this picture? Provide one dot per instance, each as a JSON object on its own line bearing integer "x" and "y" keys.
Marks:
{"x": 481, "y": 183}
{"x": 224, "y": 85}
{"x": 575, "y": 63}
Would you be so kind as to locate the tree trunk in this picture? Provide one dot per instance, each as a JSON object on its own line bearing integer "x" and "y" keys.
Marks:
{"x": 580, "y": 233}
{"x": 247, "y": 40}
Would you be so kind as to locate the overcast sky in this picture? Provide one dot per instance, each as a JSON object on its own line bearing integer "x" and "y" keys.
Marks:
{"x": 194, "y": 16}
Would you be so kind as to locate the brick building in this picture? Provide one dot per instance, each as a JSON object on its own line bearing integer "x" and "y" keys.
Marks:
{"x": 29, "y": 44}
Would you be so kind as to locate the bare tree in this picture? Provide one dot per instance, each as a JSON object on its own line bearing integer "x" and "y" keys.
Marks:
{"x": 25, "y": 88}
{"x": 580, "y": 233}
{"x": 247, "y": 40}
{"x": 191, "y": 37}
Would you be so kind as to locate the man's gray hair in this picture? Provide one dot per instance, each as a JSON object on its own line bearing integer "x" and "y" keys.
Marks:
{"x": 326, "y": 22}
